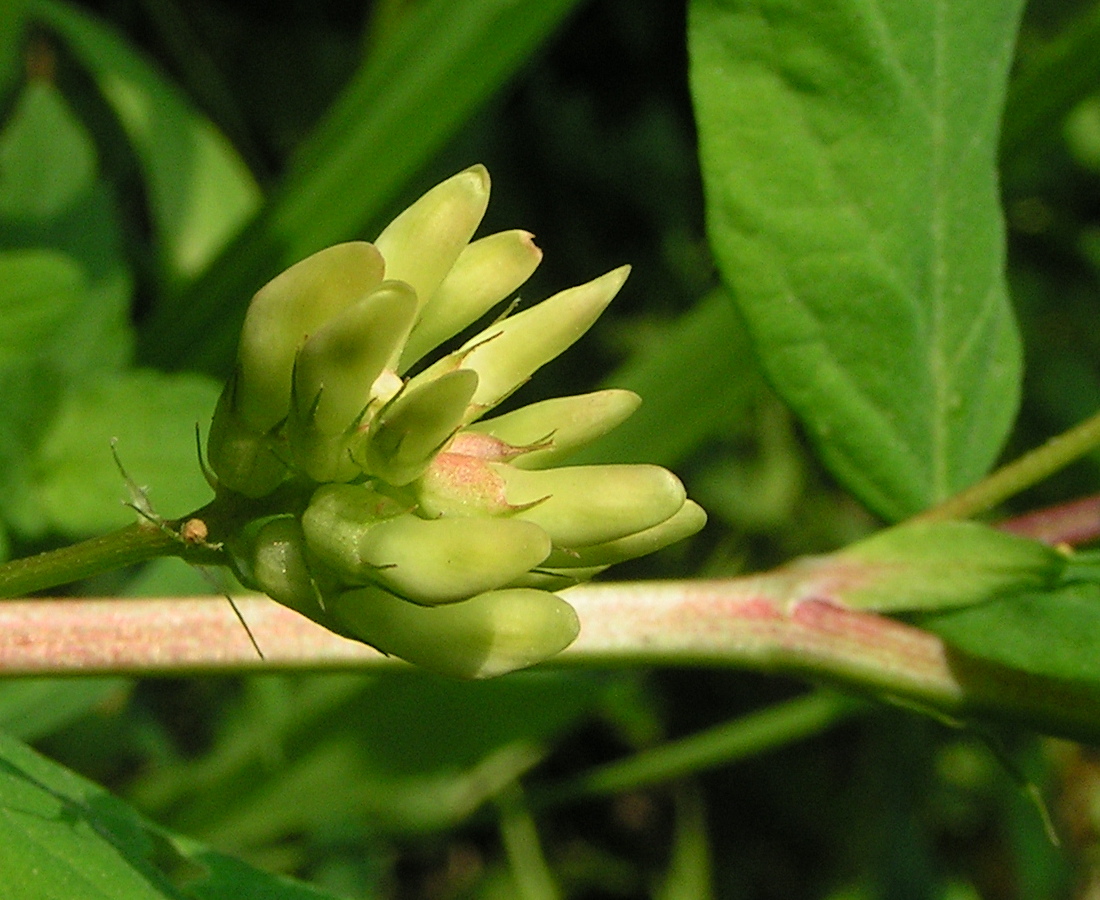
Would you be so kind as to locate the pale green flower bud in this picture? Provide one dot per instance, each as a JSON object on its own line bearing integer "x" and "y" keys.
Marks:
{"x": 457, "y": 484}
{"x": 487, "y": 635}
{"x": 340, "y": 362}
{"x": 686, "y": 521}
{"x": 557, "y": 427}
{"x": 337, "y": 517}
{"x": 587, "y": 505}
{"x": 407, "y": 434}
{"x": 278, "y": 567}
{"x": 434, "y": 561}
{"x": 284, "y": 312}
{"x": 335, "y": 377}
{"x": 244, "y": 459}
{"x": 576, "y": 505}
{"x": 508, "y": 352}
{"x": 486, "y": 272}
{"x": 422, "y": 244}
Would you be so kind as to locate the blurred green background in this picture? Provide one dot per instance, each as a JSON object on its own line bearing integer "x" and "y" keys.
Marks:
{"x": 131, "y": 237}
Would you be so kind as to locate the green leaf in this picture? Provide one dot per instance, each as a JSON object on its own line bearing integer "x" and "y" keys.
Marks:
{"x": 52, "y": 199}
{"x": 1050, "y": 634}
{"x": 153, "y": 418}
{"x": 62, "y": 837}
{"x": 935, "y": 565}
{"x": 414, "y": 91}
{"x": 44, "y": 297}
{"x": 32, "y": 708}
{"x": 48, "y": 159}
{"x": 848, "y": 153}
{"x": 39, "y": 290}
{"x": 411, "y": 752}
{"x": 200, "y": 191}
{"x": 13, "y": 20}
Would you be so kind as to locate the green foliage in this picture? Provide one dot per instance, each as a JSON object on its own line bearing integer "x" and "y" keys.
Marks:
{"x": 200, "y": 191}
{"x": 65, "y": 837}
{"x": 342, "y": 177}
{"x": 160, "y": 162}
{"x": 849, "y": 155}
{"x": 1050, "y": 634}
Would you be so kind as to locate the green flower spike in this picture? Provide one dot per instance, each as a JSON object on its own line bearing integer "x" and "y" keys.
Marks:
{"x": 378, "y": 505}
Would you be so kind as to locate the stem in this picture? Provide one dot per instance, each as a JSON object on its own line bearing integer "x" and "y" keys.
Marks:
{"x": 194, "y": 538}
{"x": 124, "y": 547}
{"x": 721, "y": 745}
{"x": 735, "y": 623}
{"x": 1020, "y": 474}
{"x": 1076, "y": 522}
{"x": 519, "y": 835}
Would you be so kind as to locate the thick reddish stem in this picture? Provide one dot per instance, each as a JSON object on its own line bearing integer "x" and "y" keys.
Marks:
{"x": 717, "y": 623}
{"x": 1073, "y": 523}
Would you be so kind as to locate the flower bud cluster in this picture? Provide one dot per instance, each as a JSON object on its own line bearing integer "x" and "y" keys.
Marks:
{"x": 387, "y": 507}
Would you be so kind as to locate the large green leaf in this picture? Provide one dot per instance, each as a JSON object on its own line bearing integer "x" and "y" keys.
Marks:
{"x": 413, "y": 92}
{"x": 848, "y": 153}
{"x": 63, "y": 838}
{"x": 199, "y": 189}
{"x": 64, "y": 290}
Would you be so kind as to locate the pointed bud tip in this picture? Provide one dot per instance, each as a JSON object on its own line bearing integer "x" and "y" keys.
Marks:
{"x": 618, "y": 276}
{"x": 477, "y": 176}
{"x": 605, "y": 288}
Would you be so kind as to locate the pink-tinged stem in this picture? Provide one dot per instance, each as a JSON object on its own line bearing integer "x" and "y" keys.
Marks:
{"x": 711, "y": 623}
{"x": 1073, "y": 523}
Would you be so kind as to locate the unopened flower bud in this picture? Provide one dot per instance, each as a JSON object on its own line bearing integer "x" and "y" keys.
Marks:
{"x": 284, "y": 312}
{"x": 433, "y": 561}
{"x": 486, "y": 272}
{"x": 405, "y": 436}
{"x": 583, "y": 505}
{"x": 421, "y": 245}
{"x": 458, "y": 484}
{"x": 338, "y": 364}
{"x": 334, "y": 373}
{"x": 686, "y": 521}
{"x": 337, "y": 517}
{"x": 508, "y": 352}
{"x": 244, "y": 459}
{"x": 557, "y": 427}
{"x": 271, "y": 557}
{"x": 487, "y": 635}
